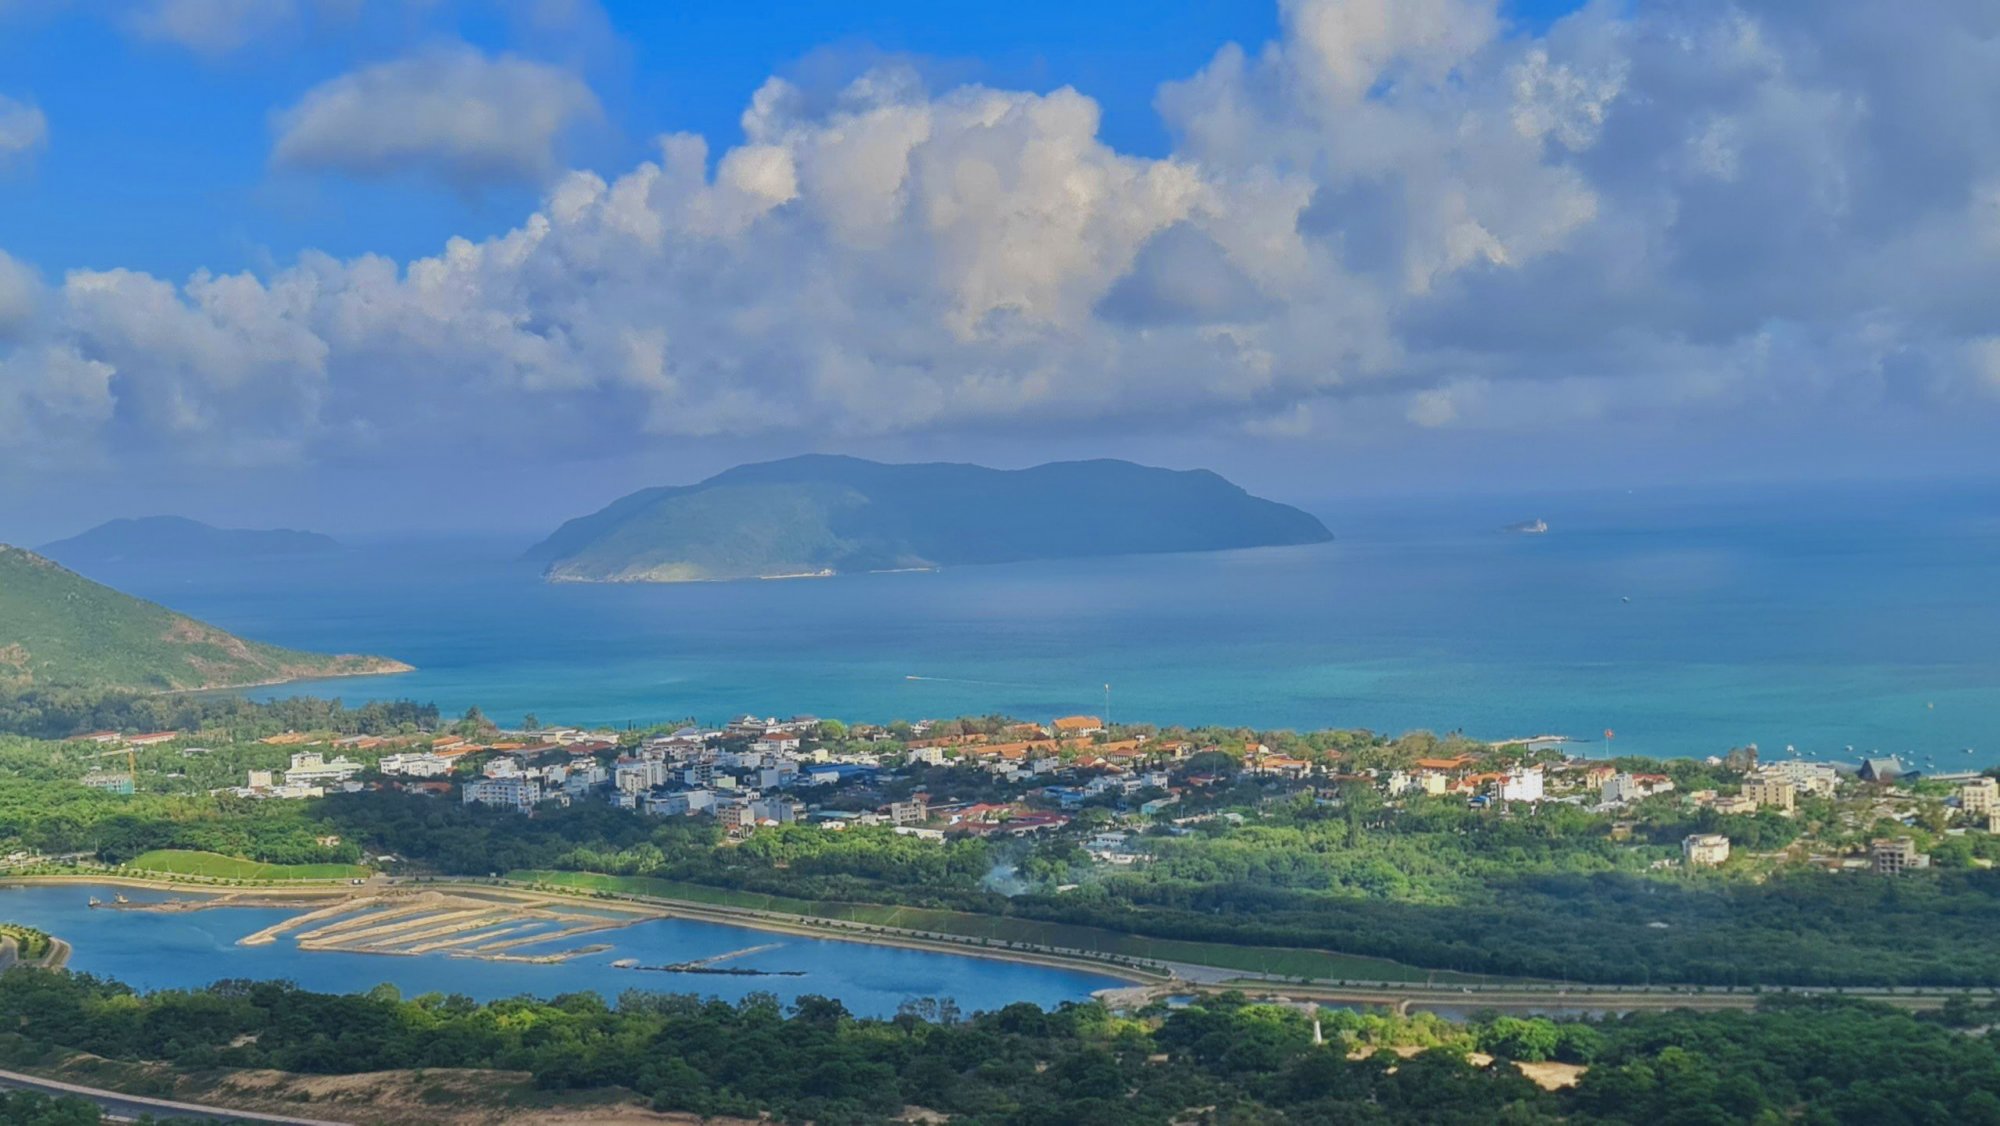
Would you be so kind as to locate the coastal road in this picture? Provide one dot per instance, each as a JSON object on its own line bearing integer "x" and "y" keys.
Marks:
{"x": 130, "y": 1108}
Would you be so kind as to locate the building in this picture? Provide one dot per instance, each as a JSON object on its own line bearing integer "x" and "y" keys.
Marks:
{"x": 110, "y": 783}
{"x": 420, "y": 764}
{"x": 1523, "y": 783}
{"x": 913, "y": 812}
{"x": 1770, "y": 793}
{"x": 1882, "y": 770}
{"x": 1898, "y": 855}
{"x": 1815, "y": 779}
{"x": 309, "y": 767}
{"x": 1621, "y": 788}
{"x": 1705, "y": 850}
{"x": 518, "y": 794}
{"x": 1979, "y": 797}
{"x": 1075, "y": 726}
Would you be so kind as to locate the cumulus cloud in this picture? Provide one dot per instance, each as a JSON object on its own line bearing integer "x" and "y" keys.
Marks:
{"x": 458, "y": 115}
{"x": 1397, "y": 211}
{"x": 23, "y": 129}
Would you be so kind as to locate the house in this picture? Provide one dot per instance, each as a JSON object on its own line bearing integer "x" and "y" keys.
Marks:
{"x": 1881, "y": 770}
{"x": 912, "y": 812}
{"x": 1704, "y": 850}
{"x": 1077, "y": 725}
{"x": 518, "y": 794}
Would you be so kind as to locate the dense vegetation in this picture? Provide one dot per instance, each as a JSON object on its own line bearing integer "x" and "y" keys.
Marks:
{"x": 1812, "y": 1061}
{"x": 59, "y": 628}
{"x": 27, "y": 1108}
{"x": 806, "y": 514}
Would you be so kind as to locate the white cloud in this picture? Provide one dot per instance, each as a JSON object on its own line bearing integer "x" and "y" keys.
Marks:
{"x": 455, "y": 114}
{"x": 210, "y": 27}
{"x": 1395, "y": 214}
{"x": 23, "y": 129}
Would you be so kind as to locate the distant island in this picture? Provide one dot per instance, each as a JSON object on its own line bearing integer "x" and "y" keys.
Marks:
{"x": 59, "y": 629}
{"x": 821, "y": 515}
{"x": 176, "y": 538}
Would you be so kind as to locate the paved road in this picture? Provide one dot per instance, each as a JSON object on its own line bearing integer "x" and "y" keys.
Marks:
{"x": 131, "y": 1107}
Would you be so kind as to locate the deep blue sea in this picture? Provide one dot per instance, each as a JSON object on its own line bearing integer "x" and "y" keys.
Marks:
{"x": 1685, "y": 622}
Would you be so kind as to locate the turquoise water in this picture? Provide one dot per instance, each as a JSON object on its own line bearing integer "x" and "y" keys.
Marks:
{"x": 149, "y": 950}
{"x": 1687, "y": 623}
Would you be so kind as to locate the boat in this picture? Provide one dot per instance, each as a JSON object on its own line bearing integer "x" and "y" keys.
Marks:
{"x": 1536, "y": 527}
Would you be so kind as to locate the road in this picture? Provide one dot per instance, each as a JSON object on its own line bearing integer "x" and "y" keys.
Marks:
{"x": 131, "y": 1107}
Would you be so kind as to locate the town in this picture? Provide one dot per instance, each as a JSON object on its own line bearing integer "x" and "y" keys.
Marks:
{"x": 934, "y": 779}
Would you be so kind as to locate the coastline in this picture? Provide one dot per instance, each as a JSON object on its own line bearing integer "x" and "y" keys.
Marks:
{"x": 391, "y": 667}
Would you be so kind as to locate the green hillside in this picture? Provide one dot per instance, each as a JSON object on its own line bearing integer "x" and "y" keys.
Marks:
{"x": 814, "y": 514}
{"x": 58, "y": 628}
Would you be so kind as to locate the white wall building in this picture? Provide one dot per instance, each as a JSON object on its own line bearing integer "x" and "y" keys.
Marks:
{"x": 518, "y": 794}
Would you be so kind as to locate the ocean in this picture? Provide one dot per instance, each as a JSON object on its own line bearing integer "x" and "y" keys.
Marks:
{"x": 1651, "y": 622}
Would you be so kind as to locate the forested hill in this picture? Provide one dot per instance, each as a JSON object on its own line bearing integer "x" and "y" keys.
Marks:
{"x": 177, "y": 538}
{"x": 817, "y": 514}
{"x": 58, "y": 628}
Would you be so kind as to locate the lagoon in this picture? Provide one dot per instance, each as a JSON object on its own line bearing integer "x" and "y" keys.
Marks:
{"x": 155, "y": 950}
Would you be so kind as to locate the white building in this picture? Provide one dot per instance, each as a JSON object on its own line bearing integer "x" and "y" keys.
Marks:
{"x": 422, "y": 764}
{"x": 309, "y": 767}
{"x": 1705, "y": 849}
{"x": 1523, "y": 783}
{"x": 680, "y": 804}
{"x": 1813, "y": 778}
{"x": 518, "y": 794}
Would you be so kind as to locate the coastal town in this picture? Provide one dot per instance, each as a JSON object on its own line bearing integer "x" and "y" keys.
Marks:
{"x": 934, "y": 780}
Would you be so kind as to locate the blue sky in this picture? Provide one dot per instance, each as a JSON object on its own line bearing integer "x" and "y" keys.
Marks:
{"x": 378, "y": 259}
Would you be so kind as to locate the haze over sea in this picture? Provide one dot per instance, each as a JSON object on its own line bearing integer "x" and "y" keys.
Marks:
{"x": 1823, "y": 618}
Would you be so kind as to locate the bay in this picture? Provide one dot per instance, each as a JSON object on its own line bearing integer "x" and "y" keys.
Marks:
{"x": 1686, "y": 622}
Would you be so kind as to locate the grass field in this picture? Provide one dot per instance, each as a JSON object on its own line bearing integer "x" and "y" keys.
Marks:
{"x": 183, "y": 862}
{"x": 1287, "y": 961}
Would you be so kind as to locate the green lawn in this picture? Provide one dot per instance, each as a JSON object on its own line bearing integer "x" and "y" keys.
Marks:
{"x": 184, "y": 862}
{"x": 1289, "y": 961}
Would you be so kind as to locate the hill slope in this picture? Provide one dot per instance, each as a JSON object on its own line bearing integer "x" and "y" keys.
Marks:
{"x": 807, "y": 515}
{"x": 178, "y": 538}
{"x": 58, "y": 628}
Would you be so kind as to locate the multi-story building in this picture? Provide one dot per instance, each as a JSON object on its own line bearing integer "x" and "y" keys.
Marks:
{"x": 518, "y": 794}
{"x": 419, "y": 764}
{"x": 309, "y": 767}
{"x": 913, "y": 812}
{"x": 1979, "y": 797}
{"x": 1771, "y": 793}
{"x": 1705, "y": 849}
{"x": 1522, "y": 784}
{"x": 1815, "y": 779}
{"x": 1897, "y": 855}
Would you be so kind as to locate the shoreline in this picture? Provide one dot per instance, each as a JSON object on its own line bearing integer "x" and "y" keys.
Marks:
{"x": 401, "y": 668}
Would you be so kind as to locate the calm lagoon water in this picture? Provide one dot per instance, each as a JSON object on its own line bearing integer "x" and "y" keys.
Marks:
{"x": 150, "y": 950}
{"x": 1687, "y": 623}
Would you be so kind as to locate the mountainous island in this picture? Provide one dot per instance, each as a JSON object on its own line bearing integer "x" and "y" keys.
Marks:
{"x": 58, "y": 628}
{"x": 822, "y": 514}
{"x": 179, "y": 539}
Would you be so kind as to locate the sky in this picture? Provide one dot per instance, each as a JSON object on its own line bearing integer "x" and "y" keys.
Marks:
{"x": 385, "y": 265}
